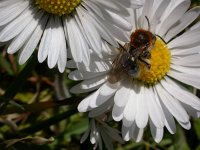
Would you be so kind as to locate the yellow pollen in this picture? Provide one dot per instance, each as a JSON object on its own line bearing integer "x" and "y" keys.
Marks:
{"x": 58, "y": 7}
{"x": 160, "y": 63}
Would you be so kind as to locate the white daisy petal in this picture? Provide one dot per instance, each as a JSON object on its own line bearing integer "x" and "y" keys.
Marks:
{"x": 182, "y": 94}
{"x": 45, "y": 42}
{"x": 195, "y": 26}
{"x": 16, "y": 26}
{"x": 88, "y": 85}
{"x": 169, "y": 120}
{"x": 127, "y": 132}
{"x": 94, "y": 133}
{"x": 190, "y": 110}
{"x": 32, "y": 43}
{"x": 153, "y": 96}
{"x": 19, "y": 41}
{"x": 111, "y": 6}
{"x": 135, "y": 3}
{"x": 191, "y": 60}
{"x": 117, "y": 32}
{"x": 109, "y": 15}
{"x": 62, "y": 60}
{"x": 105, "y": 93}
{"x": 186, "y": 20}
{"x": 119, "y": 21}
{"x": 157, "y": 133}
{"x": 186, "y": 125}
{"x": 122, "y": 93}
{"x": 184, "y": 52}
{"x": 172, "y": 105}
{"x": 5, "y": 3}
{"x": 55, "y": 44}
{"x": 173, "y": 17}
{"x": 83, "y": 75}
{"x": 74, "y": 40}
{"x": 84, "y": 104}
{"x": 104, "y": 32}
{"x": 11, "y": 11}
{"x": 108, "y": 88}
{"x": 77, "y": 42}
{"x": 198, "y": 114}
{"x": 145, "y": 12}
{"x": 100, "y": 110}
{"x": 154, "y": 109}
{"x": 158, "y": 14}
{"x": 192, "y": 70}
{"x": 188, "y": 39}
{"x": 141, "y": 117}
{"x": 117, "y": 113}
{"x": 189, "y": 79}
{"x": 130, "y": 110}
{"x": 96, "y": 66}
{"x": 90, "y": 30}
{"x": 137, "y": 133}
{"x": 71, "y": 64}
{"x": 86, "y": 25}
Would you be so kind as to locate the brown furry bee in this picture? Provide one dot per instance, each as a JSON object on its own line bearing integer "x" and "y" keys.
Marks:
{"x": 135, "y": 52}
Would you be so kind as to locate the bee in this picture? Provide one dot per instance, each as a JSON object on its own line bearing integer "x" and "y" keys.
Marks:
{"x": 131, "y": 54}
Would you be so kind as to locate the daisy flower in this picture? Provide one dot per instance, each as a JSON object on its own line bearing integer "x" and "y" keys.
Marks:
{"x": 57, "y": 26}
{"x": 143, "y": 83}
{"x": 101, "y": 134}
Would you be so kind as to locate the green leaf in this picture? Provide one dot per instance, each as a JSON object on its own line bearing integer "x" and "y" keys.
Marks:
{"x": 197, "y": 127}
{"x": 48, "y": 122}
{"x": 165, "y": 142}
{"x": 77, "y": 128}
{"x": 6, "y": 65}
{"x": 180, "y": 142}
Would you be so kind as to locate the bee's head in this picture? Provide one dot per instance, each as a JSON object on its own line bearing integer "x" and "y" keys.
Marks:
{"x": 141, "y": 38}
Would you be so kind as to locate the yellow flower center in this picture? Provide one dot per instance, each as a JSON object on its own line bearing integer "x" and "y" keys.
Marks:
{"x": 58, "y": 7}
{"x": 160, "y": 63}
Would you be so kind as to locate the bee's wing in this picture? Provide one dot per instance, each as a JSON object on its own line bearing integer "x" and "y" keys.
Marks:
{"x": 127, "y": 46}
{"x": 119, "y": 63}
{"x": 124, "y": 48}
{"x": 135, "y": 52}
{"x": 118, "y": 66}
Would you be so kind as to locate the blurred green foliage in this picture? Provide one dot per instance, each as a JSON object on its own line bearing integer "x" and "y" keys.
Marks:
{"x": 33, "y": 117}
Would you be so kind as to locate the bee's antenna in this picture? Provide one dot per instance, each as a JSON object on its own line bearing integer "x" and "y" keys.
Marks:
{"x": 162, "y": 39}
{"x": 121, "y": 46}
{"x": 135, "y": 18}
{"x": 149, "y": 27}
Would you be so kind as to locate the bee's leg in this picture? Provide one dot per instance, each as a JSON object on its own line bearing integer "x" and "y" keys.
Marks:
{"x": 146, "y": 55}
{"x": 148, "y": 65}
